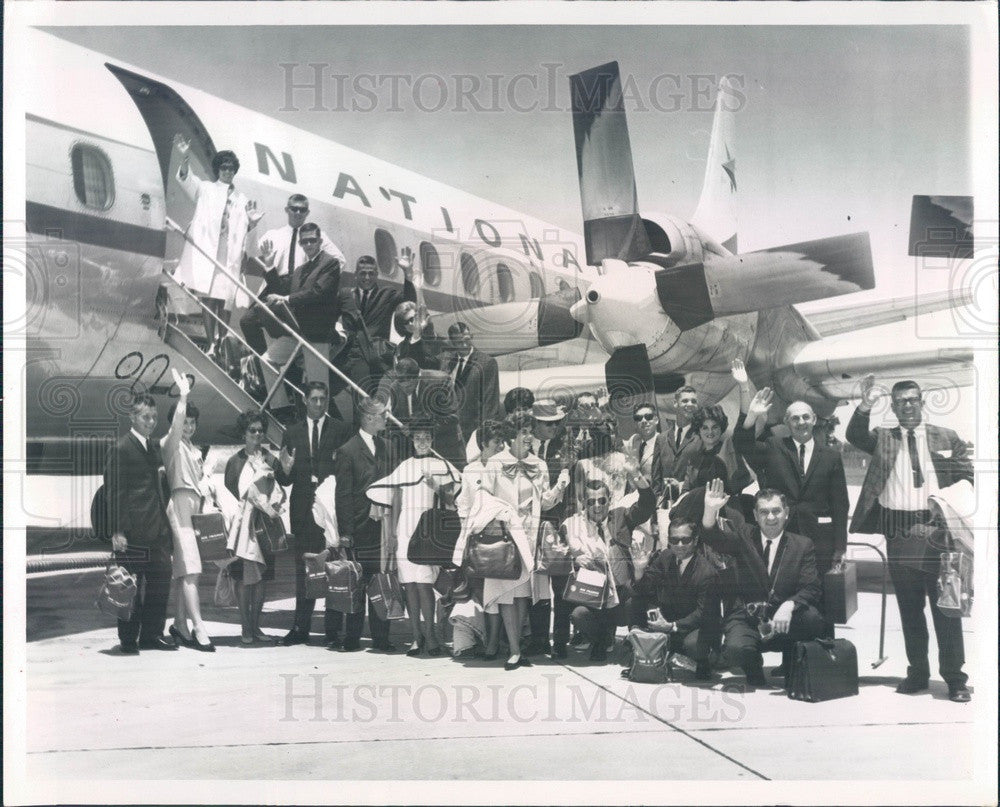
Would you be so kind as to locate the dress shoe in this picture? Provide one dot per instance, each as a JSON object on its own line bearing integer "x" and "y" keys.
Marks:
{"x": 129, "y": 649}
{"x": 179, "y": 637}
{"x": 491, "y": 656}
{"x": 755, "y": 678}
{"x": 598, "y": 654}
{"x": 350, "y": 646}
{"x": 334, "y": 644}
{"x": 157, "y": 643}
{"x": 537, "y": 648}
{"x": 434, "y": 652}
{"x": 384, "y": 647}
{"x": 415, "y": 649}
{"x": 579, "y": 639}
{"x": 559, "y": 651}
{"x": 293, "y": 637}
{"x": 204, "y": 648}
{"x": 525, "y": 662}
{"x": 910, "y": 685}
{"x": 512, "y": 665}
{"x": 959, "y": 694}
{"x": 702, "y": 672}
{"x": 779, "y": 672}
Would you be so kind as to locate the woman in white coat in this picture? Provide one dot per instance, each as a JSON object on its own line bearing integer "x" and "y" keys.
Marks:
{"x": 410, "y": 490}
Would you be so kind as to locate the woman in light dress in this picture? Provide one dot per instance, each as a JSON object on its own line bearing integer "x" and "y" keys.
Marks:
{"x": 410, "y": 491}
{"x": 185, "y": 477}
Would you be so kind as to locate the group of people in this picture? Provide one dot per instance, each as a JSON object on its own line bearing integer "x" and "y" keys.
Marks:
{"x": 660, "y": 516}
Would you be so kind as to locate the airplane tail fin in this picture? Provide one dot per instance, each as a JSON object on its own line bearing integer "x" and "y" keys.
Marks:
{"x": 716, "y": 211}
{"x": 941, "y": 226}
{"x": 612, "y": 226}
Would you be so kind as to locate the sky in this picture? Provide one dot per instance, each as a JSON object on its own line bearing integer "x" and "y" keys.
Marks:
{"x": 836, "y": 129}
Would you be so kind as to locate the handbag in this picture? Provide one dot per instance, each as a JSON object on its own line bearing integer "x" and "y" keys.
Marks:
{"x": 433, "y": 541}
{"x": 344, "y": 591}
{"x": 492, "y": 553}
{"x": 586, "y": 587}
{"x": 840, "y": 592}
{"x": 116, "y": 596}
{"x": 315, "y": 574}
{"x": 822, "y": 670}
{"x": 452, "y": 586}
{"x": 386, "y": 595}
{"x": 269, "y": 532}
{"x": 210, "y": 533}
{"x": 225, "y": 588}
{"x": 552, "y": 555}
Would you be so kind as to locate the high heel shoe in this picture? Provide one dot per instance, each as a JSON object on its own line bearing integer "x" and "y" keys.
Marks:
{"x": 207, "y": 647}
{"x": 512, "y": 665}
{"x": 178, "y": 637}
{"x": 416, "y": 648}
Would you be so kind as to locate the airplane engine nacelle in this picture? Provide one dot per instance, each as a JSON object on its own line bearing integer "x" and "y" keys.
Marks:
{"x": 672, "y": 241}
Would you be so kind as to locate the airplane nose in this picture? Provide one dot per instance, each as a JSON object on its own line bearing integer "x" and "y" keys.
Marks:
{"x": 580, "y": 311}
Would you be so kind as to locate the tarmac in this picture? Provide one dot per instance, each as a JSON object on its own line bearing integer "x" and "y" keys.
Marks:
{"x": 304, "y": 713}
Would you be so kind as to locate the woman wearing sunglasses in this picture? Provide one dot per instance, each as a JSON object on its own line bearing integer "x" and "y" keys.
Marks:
{"x": 700, "y": 467}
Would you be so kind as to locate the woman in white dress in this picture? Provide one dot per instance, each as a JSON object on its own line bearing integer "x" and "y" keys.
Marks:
{"x": 519, "y": 478}
{"x": 410, "y": 491}
{"x": 222, "y": 218}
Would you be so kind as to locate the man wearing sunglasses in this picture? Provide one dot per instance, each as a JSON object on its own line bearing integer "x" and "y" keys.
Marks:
{"x": 650, "y": 447}
{"x": 682, "y": 588}
{"x": 279, "y": 250}
{"x": 307, "y": 300}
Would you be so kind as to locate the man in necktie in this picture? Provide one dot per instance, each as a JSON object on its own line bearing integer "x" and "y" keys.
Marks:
{"x": 476, "y": 379}
{"x": 910, "y": 462}
{"x": 775, "y": 580}
{"x": 682, "y": 439}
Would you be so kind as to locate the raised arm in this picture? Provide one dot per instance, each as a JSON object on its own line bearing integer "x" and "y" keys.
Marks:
{"x": 171, "y": 442}
{"x": 720, "y": 539}
{"x": 859, "y": 433}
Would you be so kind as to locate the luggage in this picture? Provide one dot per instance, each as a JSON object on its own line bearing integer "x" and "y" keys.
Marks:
{"x": 955, "y": 585}
{"x": 315, "y": 577}
{"x": 552, "y": 556}
{"x": 386, "y": 595}
{"x": 116, "y": 596}
{"x": 344, "y": 591}
{"x": 822, "y": 670}
{"x": 840, "y": 592}
{"x": 210, "y": 533}
{"x": 433, "y": 542}
{"x": 225, "y": 587}
{"x": 586, "y": 587}
{"x": 650, "y": 653}
{"x": 270, "y": 533}
{"x": 492, "y": 553}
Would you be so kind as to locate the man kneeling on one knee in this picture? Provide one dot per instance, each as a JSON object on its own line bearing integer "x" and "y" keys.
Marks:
{"x": 679, "y": 595}
{"x": 777, "y": 585}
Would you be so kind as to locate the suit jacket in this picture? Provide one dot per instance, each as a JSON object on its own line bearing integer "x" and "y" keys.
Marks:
{"x": 672, "y": 456}
{"x": 662, "y": 454}
{"x": 821, "y": 493}
{"x": 277, "y": 267}
{"x": 382, "y": 303}
{"x": 555, "y": 458}
{"x": 690, "y": 599}
{"x": 435, "y": 399}
{"x": 137, "y": 502}
{"x": 313, "y": 296}
{"x": 477, "y": 388}
{"x": 356, "y": 468}
{"x": 949, "y": 456}
{"x": 333, "y": 436}
{"x": 420, "y": 351}
{"x": 793, "y": 574}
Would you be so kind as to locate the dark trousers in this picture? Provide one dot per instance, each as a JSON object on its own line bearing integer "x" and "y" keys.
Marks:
{"x": 696, "y": 643}
{"x": 823, "y": 542}
{"x": 256, "y": 323}
{"x": 152, "y": 569}
{"x": 744, "y": 646}
{"x": 599, "y": 624}
{"x": 540, "y": 613}
{"x": 367, "y": 541}
{"x": 308, "y": 538}
{"x": 914, "y": 587}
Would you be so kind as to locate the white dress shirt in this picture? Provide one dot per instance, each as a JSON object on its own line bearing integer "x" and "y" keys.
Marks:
{"x": 369, "y": 439}
{"x": 141, "y": 439}
{"x": 309, "y": 432}
{"x": 775, "y": 544}
{"x": 281, "y": 241}
{"x": 683, "y": 564}
{"x": 810, "y": 445}
{"x": 899, "y": 493}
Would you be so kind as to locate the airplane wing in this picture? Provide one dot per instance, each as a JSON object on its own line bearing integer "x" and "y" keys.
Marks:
{"x": 851, "y": 318}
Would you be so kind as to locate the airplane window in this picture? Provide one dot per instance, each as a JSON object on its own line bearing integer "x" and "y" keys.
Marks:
{"x": 505, "y": 283}
{"x": 385, "y": 251}
{"x": 93, "y": 179}
{"x": 470, "y": 275}
{"x": 537, "y": 287}
{"x": 430, "y": 262}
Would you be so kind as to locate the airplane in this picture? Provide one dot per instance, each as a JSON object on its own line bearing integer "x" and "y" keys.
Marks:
{"x": 551, "y": 305}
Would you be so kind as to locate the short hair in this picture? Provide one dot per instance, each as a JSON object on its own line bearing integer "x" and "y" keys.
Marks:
{"x": 643, "y": 405}
{"x": 682, "y": 390}
{"x": 769, "y": 493}
{"x": 223, "y": 157}
{"x": 489, "y": 430}
{"x": 420, "y": 423}
{"x": 312, "y": 386}
{"x": 457, "y": 329}
{"x": 190, "y": 412}
{"x": 706, "y": 413}
{"x": 595, "y": 485}
{"x": 366, "y": 260}
{"x": 513, "y": 424}
{"x": 518, "y": 398}
{"x": 248, "y": 418}
{"x": 297, "y": 198}
{"x": 310, "y": 227}
{"x": 143, "y": 399}
{"x": 407, "y": 368}
{"x": 676, "y": 524}
{"x": 903, "y": 386}
{"x": 402, "y": 310}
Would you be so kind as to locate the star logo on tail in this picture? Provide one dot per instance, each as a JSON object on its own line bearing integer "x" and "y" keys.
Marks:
{"x": 729, "y": 166}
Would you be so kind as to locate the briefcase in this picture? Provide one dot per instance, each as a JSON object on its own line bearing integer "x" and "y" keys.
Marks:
{"x": 315, "y": 576}
{"x": 840, "y": 592}
{"x": 386, "y": 596}
{"x": 270, "y": 533}
{"x": 822, "y": 670}
{"x": 344, "y": 591}
{"x": 210, "y": 533}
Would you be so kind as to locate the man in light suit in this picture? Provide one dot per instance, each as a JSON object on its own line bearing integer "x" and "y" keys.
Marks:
{"x": 775, "y": 579}
{"x": 476, "y": 379}
{"x": 909, "y": 463}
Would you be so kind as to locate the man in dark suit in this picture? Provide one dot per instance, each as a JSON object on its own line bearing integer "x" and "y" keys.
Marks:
{"x": 776, "y": 584}
{"x": 307, "y": 300}
{"x": 909, "y": 463}
{"x": 809, "y": 473}
{"x": 682, "y": 439}
{"x": 684, "y": 587}
{"x": 140, "y": 532}
{"x": 306, "y": 459}
{"x": 476, "y": 379}
{"x": 361, "y": 461}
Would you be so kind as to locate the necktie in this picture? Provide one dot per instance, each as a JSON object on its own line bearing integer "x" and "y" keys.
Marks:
{"x": 314, "y": 448}
{"x": 680, "y": 433}
{"x": 364, "y": 301}
{"x": 291, "y": 250}
{"x": 459, "y": 366}
{"x": 767, "y": 554}
{"x": 642, "y": 450}
{"x": 541, "y": 448}
{"x": 911, "y": 447}
{"x": 802, "y": 458}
